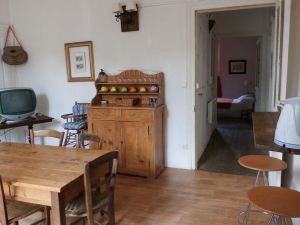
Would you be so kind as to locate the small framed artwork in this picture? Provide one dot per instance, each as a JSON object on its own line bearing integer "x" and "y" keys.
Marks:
{"x": 80, "y": 61}
{"x": 237, "y": 66}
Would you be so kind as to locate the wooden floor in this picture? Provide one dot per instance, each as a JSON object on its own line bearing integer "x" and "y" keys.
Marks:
{"x": 183, "y": 197}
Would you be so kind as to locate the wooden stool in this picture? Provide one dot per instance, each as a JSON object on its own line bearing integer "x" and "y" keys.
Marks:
{"x": 262, "y": 164}
{"x": 281, "y": 203}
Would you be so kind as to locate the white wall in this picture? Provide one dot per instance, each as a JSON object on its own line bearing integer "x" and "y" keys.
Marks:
{"x": 4, "y": 12}
{"x": 162, "y": 44}
{"x": 7, "y": 74}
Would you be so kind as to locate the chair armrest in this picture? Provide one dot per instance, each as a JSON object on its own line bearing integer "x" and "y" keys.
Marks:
{"x": 71, "y": 116}
{"x": 67, "y": 116}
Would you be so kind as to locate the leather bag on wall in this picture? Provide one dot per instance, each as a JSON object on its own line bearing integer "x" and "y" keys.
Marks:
{"x": 13, "y": 55}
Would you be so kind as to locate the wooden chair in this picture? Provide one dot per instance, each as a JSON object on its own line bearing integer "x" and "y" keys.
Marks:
{"x": 95, "y": 200}
{"x": 76, "y": 123}
{"x": 47, "y": 133}
{"x": 12, "y": 211}
{"x": 281, "y": 203}
{"x": 262, "y": 164}
{"x": 90, "y": 138}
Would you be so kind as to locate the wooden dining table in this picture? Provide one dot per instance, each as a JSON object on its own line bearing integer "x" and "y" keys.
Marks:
{"x": 46, "y": 175}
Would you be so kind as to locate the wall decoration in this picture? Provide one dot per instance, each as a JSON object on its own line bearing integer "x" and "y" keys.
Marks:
{"x": 80, "y": 61}
{"x": 237, "y": 66}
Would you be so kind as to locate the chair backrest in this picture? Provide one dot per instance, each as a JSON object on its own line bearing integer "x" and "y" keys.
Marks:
{"x": 80, "y": 108}
{"x": 47, "y": 133}
{"x": 93, "y": 172}
{"x": 3, "y": 207}
{"x": 91, "y": 138}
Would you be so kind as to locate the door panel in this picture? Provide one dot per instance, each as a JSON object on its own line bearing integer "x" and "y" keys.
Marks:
{"x": 135, "y": 138}
{"x": 109, "y": 131}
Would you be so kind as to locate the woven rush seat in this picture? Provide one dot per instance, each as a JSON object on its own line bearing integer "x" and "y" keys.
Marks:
{"x": 18, "y": 210}
{"x": 77, "y": 206}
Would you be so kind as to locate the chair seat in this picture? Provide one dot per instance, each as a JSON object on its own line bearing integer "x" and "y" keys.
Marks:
{"x": 262, "y": 163}
{"x": 18, "y": 210}
{"x": 77, "y": 125}
{"x": 276, "y": 200}
{"x": 77, "y": 206}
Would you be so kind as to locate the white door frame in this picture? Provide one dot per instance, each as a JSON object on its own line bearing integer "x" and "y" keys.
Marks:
{"x": 208, "y": 6}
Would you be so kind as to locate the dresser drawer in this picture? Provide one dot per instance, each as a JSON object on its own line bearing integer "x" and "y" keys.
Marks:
{"x": 137, "y": 115}
{"x": 104, "y": 114}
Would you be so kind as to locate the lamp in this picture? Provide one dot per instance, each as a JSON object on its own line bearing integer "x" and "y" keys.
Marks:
{"x": 127, "y": 14}
{"x": 287, "y": 132}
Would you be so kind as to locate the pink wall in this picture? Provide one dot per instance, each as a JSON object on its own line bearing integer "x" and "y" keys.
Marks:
{"x": 236, "y": 48}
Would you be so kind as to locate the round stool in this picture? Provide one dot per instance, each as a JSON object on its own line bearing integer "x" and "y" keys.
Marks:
{"x": 281, "y": 203}
{"x": 262, "y": 164}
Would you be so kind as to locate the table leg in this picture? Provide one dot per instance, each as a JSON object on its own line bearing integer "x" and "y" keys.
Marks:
{"x": 286, "y": 174}
{"x": 30, "y": 127}
{"x": 58, "y": 209}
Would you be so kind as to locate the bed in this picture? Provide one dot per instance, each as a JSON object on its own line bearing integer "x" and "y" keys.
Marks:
{"x": 239, "y": 107}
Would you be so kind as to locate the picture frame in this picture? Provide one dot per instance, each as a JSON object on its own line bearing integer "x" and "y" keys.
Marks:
{"x": 80, "y": 61}
{"x": 237, "y": 66}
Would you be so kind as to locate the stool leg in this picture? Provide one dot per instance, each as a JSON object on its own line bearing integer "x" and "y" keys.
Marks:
{"x": 271, "y": 220}
{"x": 285, "y": 221}
{"x": 266, "y": 181}
{"x": 247, "y": 211}
{"x": 257, "y": 178}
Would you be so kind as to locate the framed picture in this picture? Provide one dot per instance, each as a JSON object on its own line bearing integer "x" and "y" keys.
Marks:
{"x": 237, "y": 66}
{"x": 80, "y": 61}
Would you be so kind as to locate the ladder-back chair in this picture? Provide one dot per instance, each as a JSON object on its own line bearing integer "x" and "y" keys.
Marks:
{"x": 13, "y": 211}
{"x": 47, "y": 133}
{"x": 96, "y": 199}
{"x": 92, "y": 139}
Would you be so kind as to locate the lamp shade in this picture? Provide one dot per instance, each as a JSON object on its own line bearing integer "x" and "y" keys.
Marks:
{"x": 131, "y": 6}
{"x": 117, "y": 8}
{"x": 287, "y": 132}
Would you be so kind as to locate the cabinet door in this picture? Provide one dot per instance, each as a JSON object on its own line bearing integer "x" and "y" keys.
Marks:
{"x": 109, "y": 131}
{"x": 135, "y": 139}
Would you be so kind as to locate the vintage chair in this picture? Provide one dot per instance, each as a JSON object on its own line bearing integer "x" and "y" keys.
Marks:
{"x": 47, "y": 133}
{"x": 12, "y": 211}
{"x": 96, "y": 199}
{"x": 76, "y": 123}
{"x": 91, "y": 138}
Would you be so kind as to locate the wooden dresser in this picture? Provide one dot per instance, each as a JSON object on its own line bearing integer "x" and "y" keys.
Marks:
{"x": 136, "y": 131}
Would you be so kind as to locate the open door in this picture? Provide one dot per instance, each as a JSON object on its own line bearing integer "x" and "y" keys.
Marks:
{"x": 202, "y": 48}
{"x": 281, "y": 50}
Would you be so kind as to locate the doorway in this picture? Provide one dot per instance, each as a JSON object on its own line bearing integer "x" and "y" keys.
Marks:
{"x": 245, "y": 78}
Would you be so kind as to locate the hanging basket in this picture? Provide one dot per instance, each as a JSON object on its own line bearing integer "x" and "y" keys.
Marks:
{"x": 14, "y": 55}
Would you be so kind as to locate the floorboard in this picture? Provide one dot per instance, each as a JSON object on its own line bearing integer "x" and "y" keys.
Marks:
{"x": 182, "y": 197}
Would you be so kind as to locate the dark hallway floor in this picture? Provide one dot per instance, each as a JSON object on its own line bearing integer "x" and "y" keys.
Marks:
{"x": 232, "y": 139}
